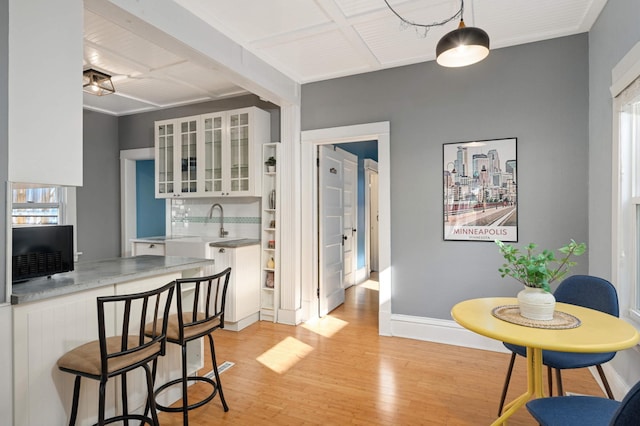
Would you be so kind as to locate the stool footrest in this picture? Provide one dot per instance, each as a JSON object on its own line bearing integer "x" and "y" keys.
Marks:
{"x": 180, "y": 408}
{"x": 143, "y": 419}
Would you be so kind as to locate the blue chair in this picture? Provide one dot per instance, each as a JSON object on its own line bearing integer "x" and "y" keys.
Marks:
{"x": 581, "y": 290}
{"x": 587, "y": 410}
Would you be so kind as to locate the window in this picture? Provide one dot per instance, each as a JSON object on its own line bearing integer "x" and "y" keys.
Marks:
{"x": 37, "y": 205}
{"x": 627, "y": 218}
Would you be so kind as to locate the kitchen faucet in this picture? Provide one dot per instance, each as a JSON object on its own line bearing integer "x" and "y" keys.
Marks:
{"x": 223, "y": 233}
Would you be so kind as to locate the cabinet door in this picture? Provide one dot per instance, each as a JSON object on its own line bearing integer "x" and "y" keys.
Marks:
{"x": 223, "y": 258}
{"x": 188, "y": 155}
{"x": 213, "y": 131}
{"x": 164, "y": 153}
{"x": 239, "y": 153}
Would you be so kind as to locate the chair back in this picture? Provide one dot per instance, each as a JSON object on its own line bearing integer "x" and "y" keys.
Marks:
{"x": 590, "y": 292}
{"x": 628, "y": 414}
{"x": 130, "y": 347}
{"x": 205, "y": 312}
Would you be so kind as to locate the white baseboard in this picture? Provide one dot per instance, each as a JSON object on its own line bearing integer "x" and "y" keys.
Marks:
{"x": 289, "y": 317}
{"x": 441, "y": 331}
{"x": 451, "y": 333}
{"x": 618, "y": 385}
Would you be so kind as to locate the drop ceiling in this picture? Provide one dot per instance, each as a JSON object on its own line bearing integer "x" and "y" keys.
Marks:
{"x": 307, "y": 40}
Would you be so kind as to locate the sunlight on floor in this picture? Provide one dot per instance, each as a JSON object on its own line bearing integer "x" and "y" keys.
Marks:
{"x": 326, "y": 326}
{"x": 284, "y": 355}
{"x": 370, "y": 284}
{"x": 386, "y": 387}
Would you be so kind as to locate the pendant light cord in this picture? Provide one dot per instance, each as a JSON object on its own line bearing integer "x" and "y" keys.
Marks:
{"x": 459, "y": 13}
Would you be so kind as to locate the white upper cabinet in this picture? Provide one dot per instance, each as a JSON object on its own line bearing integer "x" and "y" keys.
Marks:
{"x": 211, "y": 155}
{"x": 46, "y": 150}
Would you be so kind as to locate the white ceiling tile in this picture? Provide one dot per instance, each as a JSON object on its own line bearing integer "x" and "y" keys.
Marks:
{"x": 318, "y": 56}
{"x": 249, "y": 20}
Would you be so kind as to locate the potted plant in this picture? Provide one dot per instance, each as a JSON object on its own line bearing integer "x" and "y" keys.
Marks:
{"x": 536, "y": 270}
{"x": 271, "y": 164}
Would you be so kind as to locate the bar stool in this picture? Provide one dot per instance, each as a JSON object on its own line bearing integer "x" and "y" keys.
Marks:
{"x": 204, "y": 315}
{"x": 117, "y": 355}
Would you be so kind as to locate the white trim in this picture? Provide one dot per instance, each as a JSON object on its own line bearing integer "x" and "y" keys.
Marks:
{"x": 8, "y": 243}
{"x": 625, "y": 71}
{"x": 370, "y": 167}
{"x": 623, "y": 274}
{"x": 379, "y": 131}
{"x": 128, "y": 228}
{"x": 441, "y": 331}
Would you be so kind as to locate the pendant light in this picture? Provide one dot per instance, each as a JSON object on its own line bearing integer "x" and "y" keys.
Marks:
{"x": 463, "y": 46}
{"x": 458, "y": 48}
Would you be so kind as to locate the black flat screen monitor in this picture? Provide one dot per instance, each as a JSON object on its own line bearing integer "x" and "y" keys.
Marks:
{"x": 40, "y": 251}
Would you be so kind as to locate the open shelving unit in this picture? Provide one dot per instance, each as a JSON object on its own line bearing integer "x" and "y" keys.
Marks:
{"x": 270, "y": 259}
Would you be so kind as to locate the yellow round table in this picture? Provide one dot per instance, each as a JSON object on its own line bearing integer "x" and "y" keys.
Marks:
{"x": 598, "y": 332}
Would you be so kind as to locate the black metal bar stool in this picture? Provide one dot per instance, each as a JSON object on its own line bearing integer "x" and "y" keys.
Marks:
{"x": 116, "y": 355}
{"x": 205, "y": 315}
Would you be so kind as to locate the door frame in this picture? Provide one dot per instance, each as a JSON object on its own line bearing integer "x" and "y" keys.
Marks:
{"x": 128, "y": 225}
{"x": 370, "y": 167}
{"x": 379, "y": 131}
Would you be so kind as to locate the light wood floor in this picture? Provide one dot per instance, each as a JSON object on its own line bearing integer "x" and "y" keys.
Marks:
{"x": 338, "y": 371}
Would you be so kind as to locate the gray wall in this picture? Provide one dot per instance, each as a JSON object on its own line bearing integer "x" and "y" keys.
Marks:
{"x": 98, "y": 207}
{"x": 136, "y": 131}
{"x": 615, "y": 32}
{"x": 537, "y": 93}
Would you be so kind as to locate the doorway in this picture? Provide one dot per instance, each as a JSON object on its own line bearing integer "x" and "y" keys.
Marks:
{"x": 337, "y": 135}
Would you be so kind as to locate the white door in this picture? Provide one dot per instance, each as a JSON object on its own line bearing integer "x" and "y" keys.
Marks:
{"x": 350, "y": 221}
{"x": 373, "y": 220}
{"x": 330, "y": 199}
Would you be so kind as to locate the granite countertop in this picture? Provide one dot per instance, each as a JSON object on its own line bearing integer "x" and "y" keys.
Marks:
{"x": 228, "y": 242}
{"x": 89, "y": 275}
{"x": 242, "y": 242}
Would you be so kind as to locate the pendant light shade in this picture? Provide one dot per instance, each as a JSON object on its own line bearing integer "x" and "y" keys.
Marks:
{"x": 463, "y": 46}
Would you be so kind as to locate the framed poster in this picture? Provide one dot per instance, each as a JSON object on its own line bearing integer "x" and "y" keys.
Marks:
{"x": 480, "y": 190}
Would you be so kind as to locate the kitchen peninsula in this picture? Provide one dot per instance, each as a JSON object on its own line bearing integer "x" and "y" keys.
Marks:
{"x": 54, "y": 315}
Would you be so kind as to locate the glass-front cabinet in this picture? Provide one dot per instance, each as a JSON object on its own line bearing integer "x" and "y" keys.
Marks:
{"x": 211, "y": 155}
{"x": 240, "y": 161}
{"x": 164, "y": 134}
{"x": 189, "y": 155}
{"x": 212, "y": 125}
{"x": 176, "y": 154}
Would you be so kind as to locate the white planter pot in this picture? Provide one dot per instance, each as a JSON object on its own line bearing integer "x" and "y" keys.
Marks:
{"x": 536, "y": 304}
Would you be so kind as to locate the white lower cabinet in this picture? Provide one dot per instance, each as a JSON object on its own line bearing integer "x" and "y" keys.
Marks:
{"x": 243, "y": 294}
{"x": 140, "y": 248}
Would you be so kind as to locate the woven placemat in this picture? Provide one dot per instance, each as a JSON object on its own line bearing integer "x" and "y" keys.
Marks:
{"x": 511, "y": 313}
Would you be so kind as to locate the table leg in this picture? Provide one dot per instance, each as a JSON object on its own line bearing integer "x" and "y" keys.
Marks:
{"x": 534, "y": 386}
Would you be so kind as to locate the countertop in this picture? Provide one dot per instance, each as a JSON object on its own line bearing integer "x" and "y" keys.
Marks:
{"x": 89, "y": 275}
{"x": 241, "y": 242}
{"x": 228, "y": 242}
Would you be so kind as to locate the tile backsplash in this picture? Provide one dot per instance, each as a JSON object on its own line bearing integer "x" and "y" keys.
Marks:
{"x": 190, "y": 217}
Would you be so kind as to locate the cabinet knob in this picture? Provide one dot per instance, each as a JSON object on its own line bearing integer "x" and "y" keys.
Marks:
{"x": 221, "y": 250}
{"x": 151, "y": 246}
